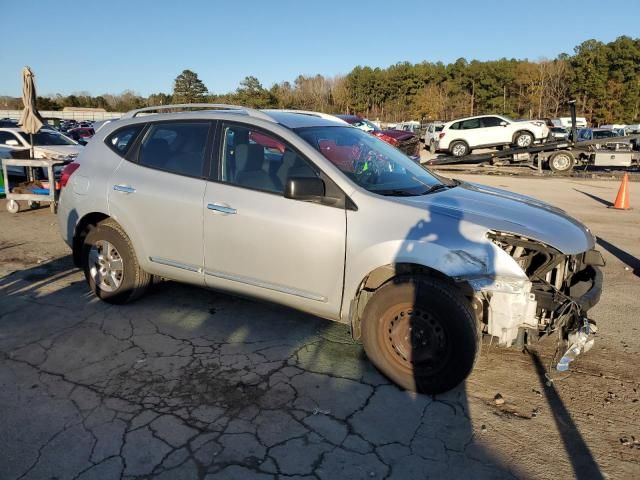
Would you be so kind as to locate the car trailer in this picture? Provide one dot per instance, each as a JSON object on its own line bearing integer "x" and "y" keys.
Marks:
{"x": 39, "y": 195}
{"x": 561, "y": 156}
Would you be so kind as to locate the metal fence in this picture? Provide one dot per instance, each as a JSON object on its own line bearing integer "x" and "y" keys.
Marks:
{"x": 74, "y": 115}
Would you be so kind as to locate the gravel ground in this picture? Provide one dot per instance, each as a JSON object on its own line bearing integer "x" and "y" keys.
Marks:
{"x": 189, "y": 383}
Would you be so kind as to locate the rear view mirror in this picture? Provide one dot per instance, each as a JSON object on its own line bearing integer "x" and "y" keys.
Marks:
{"x": 12, "y": 143}
{"x": 503, "y": 124}
{"x": 304, "y": 188}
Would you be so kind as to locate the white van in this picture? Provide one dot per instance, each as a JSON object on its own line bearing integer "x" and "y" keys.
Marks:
{"x": 565, "y": 122}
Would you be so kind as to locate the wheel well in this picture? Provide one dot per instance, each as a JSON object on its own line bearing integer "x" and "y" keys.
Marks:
{"x": 523, "y": 131}
{"x": 83, "y": 227}
{"x": 383, "y": 275}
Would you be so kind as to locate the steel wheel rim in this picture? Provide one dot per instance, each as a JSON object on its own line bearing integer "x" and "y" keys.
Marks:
{"x": 105, "y": 266}
{"x": 561, "y": 162}
{"x": 458, "y": 150}
{"x": 524, "y": 140}
{"x": 415, "y": 340}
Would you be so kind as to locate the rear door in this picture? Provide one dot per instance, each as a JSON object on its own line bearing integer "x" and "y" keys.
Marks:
{"x": 472, "y": 132}
{"x": 156, "y": 194}
{"x": 261, "y": 244}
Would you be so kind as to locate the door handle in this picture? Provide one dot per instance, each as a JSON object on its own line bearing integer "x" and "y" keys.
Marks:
{"x": 124, "y": 189}
{"x": 221, "y": 208}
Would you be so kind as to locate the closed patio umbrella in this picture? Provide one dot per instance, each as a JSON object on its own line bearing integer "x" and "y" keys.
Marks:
{"x": 30, "y": 121}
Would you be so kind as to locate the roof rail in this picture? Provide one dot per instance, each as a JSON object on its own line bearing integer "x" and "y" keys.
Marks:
{"x": 252, "y": 112}
{"x": 326, "y": 116}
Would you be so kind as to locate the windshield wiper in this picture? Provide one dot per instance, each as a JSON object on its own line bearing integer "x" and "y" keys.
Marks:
{"x": 437, "y": 187}
{"x": 397, "y": 193}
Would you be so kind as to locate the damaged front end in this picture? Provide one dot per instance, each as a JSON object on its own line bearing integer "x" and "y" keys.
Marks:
{"x": 559, "y": 291}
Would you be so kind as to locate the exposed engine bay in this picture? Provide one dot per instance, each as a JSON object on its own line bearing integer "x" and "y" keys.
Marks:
{"x": 561, "y": 289}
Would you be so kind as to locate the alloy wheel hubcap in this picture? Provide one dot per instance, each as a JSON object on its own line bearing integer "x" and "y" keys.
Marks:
{"x": 524, "y": 140}
{"x": 106, "y": 266}
{"x": 458, "y": 150}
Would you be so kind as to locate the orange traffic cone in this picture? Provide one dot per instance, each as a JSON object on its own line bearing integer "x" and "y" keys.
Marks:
{"x": 622, "y": 200}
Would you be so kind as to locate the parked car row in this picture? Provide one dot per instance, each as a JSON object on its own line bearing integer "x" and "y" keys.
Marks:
{"x": 404, "y": 140}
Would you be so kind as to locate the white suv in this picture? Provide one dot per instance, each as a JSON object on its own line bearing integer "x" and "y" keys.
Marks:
{"x": 460, "y": 137}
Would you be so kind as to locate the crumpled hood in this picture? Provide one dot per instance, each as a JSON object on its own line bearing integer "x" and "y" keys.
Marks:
{"x": 398, "y": 134}
{"x": 509, "y": 212}
{"x": 49, "y": 151}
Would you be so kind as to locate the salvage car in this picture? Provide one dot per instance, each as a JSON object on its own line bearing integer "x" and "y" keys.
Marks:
{"x": 303, "y": 210}
{"x": 47, "y": 143}
{"x": 406, "y": 141}
{"x": 460, "y": 137}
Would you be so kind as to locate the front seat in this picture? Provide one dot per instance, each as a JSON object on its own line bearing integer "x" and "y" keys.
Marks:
{"x": 249, "y": 160}
{"x": 293, "y": 166}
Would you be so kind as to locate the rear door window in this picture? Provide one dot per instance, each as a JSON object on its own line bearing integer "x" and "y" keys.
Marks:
{"x": 121, "y": 140}
{"x": 176, "y": 147}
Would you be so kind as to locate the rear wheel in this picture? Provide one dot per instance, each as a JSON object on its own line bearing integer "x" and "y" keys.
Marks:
{"x": 459, "y": 148}
{"x": 421, "y": 333}
{"x": 110, "y": 264}
{"x": 561, "y": 162}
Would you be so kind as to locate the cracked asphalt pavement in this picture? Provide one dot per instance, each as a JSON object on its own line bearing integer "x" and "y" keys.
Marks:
{"x": 192, "y": 383}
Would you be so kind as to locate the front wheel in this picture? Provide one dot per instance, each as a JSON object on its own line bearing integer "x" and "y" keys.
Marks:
{"x": 110, "y": 264}
{"x": 523, "y": 139}
{"x": 421, "y": 333}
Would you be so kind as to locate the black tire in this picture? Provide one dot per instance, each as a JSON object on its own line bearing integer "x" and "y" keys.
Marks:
{"x": 459, "y": 148}
{"x": 562, "y": 162}
{"x": 445, "y": 341}
{"x": 133, "y": 280}
{"x": 523, "y": 139}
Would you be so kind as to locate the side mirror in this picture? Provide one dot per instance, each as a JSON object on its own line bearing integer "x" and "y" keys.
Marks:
{"x": 12, "y": 143}
{"x": 503, "y": 124}
{"x": 304, "y": 188}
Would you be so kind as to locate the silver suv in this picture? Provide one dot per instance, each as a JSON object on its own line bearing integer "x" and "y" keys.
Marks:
{"x": 301, "y": 209}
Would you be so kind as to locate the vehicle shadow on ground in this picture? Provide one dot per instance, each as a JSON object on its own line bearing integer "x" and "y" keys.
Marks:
{"x": 189, "y": 381}
{"x": 479, "y": 258}
{"x": 584, "y": 465}
{"x": 625, "y": 257}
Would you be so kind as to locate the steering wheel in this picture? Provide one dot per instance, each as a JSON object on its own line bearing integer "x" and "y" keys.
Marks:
{"x": 366, "y": 167}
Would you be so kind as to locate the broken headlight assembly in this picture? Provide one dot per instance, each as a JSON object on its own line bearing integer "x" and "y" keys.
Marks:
{"x": 564, "y": 286}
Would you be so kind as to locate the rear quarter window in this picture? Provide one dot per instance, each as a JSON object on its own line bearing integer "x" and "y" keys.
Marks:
{"x": 121, "y": 140}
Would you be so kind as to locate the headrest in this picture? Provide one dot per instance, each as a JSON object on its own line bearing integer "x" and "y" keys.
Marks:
{"x": 249, "y": 157}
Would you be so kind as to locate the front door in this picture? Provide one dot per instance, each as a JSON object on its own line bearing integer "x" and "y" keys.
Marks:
{"x": 259, "y": 243}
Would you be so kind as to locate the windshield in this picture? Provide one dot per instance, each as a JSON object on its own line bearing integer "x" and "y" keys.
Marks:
{"x": 46, "y": 138}
{"x": 603, "y": 134}
{"x": 365, "y": 125}
{"x": 370, "y": 162}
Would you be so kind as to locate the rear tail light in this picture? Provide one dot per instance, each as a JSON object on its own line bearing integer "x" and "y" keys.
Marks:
{"x": 67, "y": 172}
{"x": 441, "y": 135}
{"x": 386, "y": 138}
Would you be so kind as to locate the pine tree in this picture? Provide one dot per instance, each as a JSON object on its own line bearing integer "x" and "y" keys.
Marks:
{"x": 188, "y": 88}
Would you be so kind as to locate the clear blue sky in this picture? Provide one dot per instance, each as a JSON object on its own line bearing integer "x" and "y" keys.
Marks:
{"x": 112, "y": 45}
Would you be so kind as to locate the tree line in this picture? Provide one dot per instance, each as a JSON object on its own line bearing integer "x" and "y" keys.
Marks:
{"x": 604, "y": 78}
